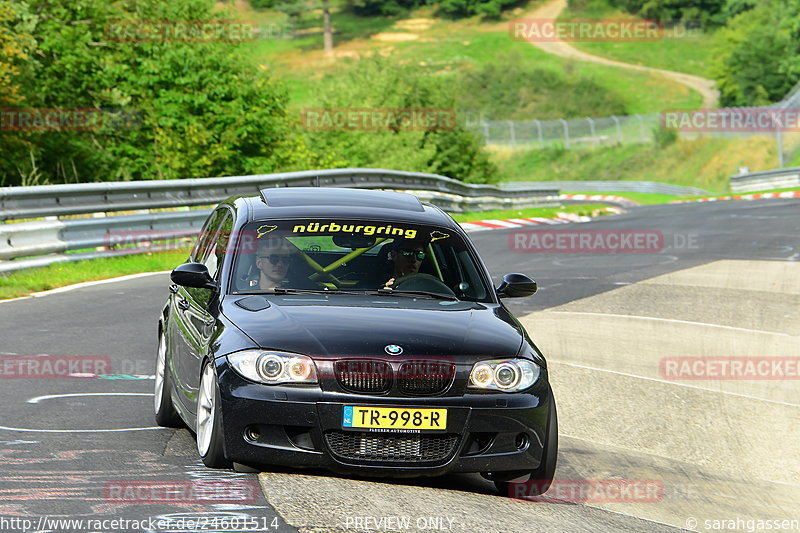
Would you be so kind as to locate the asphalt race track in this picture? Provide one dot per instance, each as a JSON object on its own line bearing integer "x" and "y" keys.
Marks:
{"x": 641, "y": 447}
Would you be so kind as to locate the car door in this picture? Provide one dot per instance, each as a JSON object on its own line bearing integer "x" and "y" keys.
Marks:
{"x": 191, "y": 314}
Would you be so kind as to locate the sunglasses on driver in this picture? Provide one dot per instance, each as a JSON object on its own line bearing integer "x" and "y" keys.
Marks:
{"x": 419, "y": 255}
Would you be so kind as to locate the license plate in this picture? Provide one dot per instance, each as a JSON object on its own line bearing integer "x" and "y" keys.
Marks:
{"x": 394, "y": 418}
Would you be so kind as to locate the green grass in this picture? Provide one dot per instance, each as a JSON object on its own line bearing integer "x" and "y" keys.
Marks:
{"x": 545, "y": 212}
{"x": 444, "y": 49}
{"x": 641, "y": 198}
{"x": 788, "y": 189}
{"x": 24, "y": 282}
{"x": 689, "y": 52}
{"x": 706, "y": 163}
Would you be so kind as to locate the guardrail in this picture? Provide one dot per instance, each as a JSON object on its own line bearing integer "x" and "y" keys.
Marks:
{"x": 49, "y": 200}
{"x": 610, "y": 186}
{"x": 22, "y": 244}
{"x": 769, "y": 179}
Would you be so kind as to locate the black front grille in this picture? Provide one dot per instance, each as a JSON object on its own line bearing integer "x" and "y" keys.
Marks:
{"x": 422, "y": 378}
{"x": 363, "y": 375}
{"x": 391, "y": 447}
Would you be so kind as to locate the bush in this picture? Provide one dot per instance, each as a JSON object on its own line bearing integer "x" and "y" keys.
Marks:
{"x": 371, "y": 8}
{"x": 380, "y": 83}
{"x": 705, "y": 12}
{"x": 664, "y": 138}
{"x": 507, "y": 88}
{"x": 468, "y": 8}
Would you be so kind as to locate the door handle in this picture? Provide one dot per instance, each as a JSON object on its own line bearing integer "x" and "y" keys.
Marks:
{"x": 183, "y": 304}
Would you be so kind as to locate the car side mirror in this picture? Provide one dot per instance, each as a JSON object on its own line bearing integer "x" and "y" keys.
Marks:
{"x": 516, "y": 286}
{"x": 193, "y": 275}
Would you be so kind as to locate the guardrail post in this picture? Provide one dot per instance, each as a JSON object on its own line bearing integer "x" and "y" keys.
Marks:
{"x": 512, "y": 133}
{"x": 619, "y": 129}
{"x": 594, "y": 133}
{"x": 539, "y": 128}
{"x": 566, "y": 132}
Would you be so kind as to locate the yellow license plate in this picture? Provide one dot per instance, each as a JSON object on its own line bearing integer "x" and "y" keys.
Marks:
{"x": 425, "y": 419}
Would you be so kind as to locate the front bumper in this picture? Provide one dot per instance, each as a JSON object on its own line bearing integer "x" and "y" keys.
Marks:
{"x": 302, "y": 427}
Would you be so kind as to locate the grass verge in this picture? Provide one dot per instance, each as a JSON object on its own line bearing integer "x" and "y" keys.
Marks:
{"x": 25, "y": 282}
{"x": 705, "y": 162}
{"x": 641, "y": 198}
{"x": 679, "y": 49}
{"x": 442, "y": 47}
{"x": 544, "y": 212}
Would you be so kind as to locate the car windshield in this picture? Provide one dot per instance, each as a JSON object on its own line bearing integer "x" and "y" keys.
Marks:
{"x": 356, "y": 256}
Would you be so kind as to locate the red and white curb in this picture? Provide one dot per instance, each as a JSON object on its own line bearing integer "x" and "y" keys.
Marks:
{"x": 762, "y": 196}
{"x": 621, "y": 200}
{"x": 483, "y": 225}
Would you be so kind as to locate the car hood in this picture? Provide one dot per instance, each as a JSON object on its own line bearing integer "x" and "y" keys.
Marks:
{"x": 470, "y": 331}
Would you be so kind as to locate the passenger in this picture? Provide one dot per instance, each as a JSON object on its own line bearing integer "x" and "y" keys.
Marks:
{"x": 272, "y": 260}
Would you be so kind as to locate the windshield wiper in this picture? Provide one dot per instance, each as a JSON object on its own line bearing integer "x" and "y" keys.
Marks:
{"x": 289, "y": 290}
{"x": 395, "y": 292}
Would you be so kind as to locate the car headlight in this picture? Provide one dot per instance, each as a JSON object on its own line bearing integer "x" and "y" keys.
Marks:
{"x": 272, "y": 367}
{"x": 506, "y": 375}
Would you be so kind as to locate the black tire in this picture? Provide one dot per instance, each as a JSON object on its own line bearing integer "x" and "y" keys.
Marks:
{"x": 165, "y": 412}
{"x": 210, "y": 440}
{"x": 541, "y": 478}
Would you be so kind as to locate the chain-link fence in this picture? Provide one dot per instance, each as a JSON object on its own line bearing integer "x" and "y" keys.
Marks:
{"x": 780, "y": 122}
{"x": 568, "y": 133}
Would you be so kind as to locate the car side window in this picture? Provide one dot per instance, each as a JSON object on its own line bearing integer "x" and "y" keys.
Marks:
{"x": 207, "y": 236}
{"x": 218, "y": 246}
{"x": 210, "y": 250}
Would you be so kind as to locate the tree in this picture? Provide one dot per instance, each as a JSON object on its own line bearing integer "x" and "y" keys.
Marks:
{"x": 296, "y": 9}
{"x": 197, "y": 108}
{"x": 757, "y": 55}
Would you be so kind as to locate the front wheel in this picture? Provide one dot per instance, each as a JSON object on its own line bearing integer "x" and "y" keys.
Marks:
{"x": 166, "y": 415}
{"x": 540, "y": 479}
{"x": 209, "y": 421}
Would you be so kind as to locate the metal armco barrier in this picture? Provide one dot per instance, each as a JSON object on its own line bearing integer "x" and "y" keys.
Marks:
{"x": 27, "y": 242}
{"x": 770, "y": 179}
{"x": 610, "y": 186}
{"x": 52, "y": 200}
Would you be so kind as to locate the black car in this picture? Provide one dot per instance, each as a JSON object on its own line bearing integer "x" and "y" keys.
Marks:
{"x": 356, "y": 331}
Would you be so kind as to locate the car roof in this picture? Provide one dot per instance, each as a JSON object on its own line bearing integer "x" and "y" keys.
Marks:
{"x": 316, "y": 202}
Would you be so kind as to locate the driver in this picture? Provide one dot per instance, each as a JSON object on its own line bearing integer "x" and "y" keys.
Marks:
{"x": 406, "y": 257}
{"x": 272, "y": 260}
